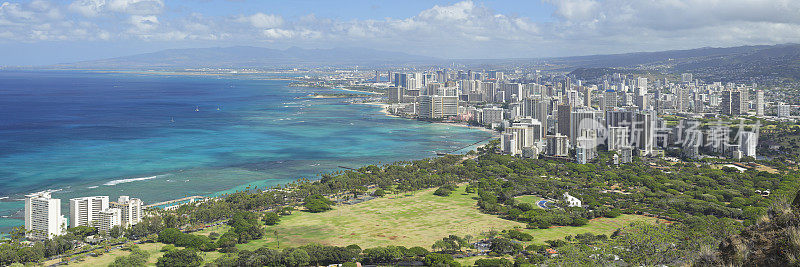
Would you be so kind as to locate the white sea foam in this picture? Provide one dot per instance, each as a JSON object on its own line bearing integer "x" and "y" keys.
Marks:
{"x": 1, "y": 198}
{"x": 129, "y": 180}
{"x": 92, "y": 187}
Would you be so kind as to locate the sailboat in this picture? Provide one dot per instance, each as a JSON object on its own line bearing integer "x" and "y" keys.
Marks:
{"x": 171, "y": 119}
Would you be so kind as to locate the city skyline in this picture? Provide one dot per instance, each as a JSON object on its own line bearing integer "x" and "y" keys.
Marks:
{"x": 43, "y": 32}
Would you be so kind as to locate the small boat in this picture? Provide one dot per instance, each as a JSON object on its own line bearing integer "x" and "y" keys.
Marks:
{"x": 196, "y": 109}
{"x": 171, "y": 119}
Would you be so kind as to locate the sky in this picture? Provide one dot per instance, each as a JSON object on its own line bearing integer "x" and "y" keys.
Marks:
{"x": 41, "y": 32}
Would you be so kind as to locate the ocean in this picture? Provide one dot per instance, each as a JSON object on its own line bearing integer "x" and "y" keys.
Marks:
{"x": 159, "y": 136}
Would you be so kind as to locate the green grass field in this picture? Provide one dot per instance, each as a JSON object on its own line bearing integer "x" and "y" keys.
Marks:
{"x": 417, "y": 219}
{"x": 530, "y": 199}
{"x": 597, "y": 226}
{"x": 408, "y": 220}
{"x": 152, "y": 248}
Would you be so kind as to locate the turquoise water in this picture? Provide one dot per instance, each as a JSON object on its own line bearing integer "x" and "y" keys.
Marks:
{"x": 162, "y": 137}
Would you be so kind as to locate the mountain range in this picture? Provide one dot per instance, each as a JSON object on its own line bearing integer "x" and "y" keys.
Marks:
{"x": 251, "y": 57}
{"x": 742, "y": 62}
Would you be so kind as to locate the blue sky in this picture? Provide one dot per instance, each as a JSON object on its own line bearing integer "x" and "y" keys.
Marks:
{"x": 39, "y": 32}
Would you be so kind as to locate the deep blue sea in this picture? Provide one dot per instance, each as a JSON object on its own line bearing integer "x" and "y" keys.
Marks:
{"x": 159, "y": 136}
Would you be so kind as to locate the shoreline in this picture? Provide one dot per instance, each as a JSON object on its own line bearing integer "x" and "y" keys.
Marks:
{"x": 14, "y": 221}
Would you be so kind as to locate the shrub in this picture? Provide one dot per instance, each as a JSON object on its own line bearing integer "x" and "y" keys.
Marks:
{"x": 443, "y": 192}
{"x": 184, "y": 257}
{"x": 493, "y": 263}
{"x": 271, "y": 218}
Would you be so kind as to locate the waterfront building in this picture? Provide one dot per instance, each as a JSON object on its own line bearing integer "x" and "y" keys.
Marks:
{"x": 130, "y": 210}
{"x": 491, "y": 115}
{"x": 85, "y": 211}
{"x": 437, "y": 107}
{"x": 107, "y": 219}
{"x": 395, "y": 94}
{"x": 43, "y": 217}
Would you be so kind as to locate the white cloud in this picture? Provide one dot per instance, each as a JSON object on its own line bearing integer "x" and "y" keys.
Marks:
{"x": 136, "y": 7}
{"x": 143, "y": 24}
{"x": 462, "y": 29}
{"x": 261, "y": 20}
{"x": 88, "y": 8}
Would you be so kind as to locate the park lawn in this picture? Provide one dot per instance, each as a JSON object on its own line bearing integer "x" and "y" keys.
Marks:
{"x": 153, "y": 248}
{"x": 417, "y": 219}
{"x": 530, "y": 199}
{"x": 470, "y": 261}
{"x": 596, "y": 226}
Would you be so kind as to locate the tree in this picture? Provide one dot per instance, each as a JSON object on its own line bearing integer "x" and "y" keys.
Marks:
{"x": 317, "y": 203}
{"x": 442, "y": 192}
{"x": 184, "y": 258}
{"x": 298, "y": 257}
{"x": 504, "y": 246}
{"x": 493, "y": 263}
{"x": 271, "y": 218}
{"x": 379, "y": 193}
{"x": 436, "y": 259}
{"x": 82, "y": 231}
{"x": 286, "y": 210}
{"x": 137, "y": 258}
{"x": 116, "y": 231}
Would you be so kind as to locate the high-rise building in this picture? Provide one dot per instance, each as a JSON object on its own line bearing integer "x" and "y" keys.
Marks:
{"x": 760, "y": 103}
{"x": 784, "y": 110}
{"x": 522, "y": 134}
{"x": 564, "y": 113}
{"x": 395, "y": 94}
{"x": 686, "y": 78}
{"x": 641, "y": 86}
{"x": 573, "y": 100}
{"x": 725, "y": 103}
{"x": 609, "y": 100}
{"x": 734, "y": 102}
{"x": 587, "y": 97}
{"x": 43, "y": 216}
{"x": 558, "y": 145}
{"x": 748, "y": 141}
{"x": 85, "y": 211}
{"x": 619, "y": 117}
{"x": 644, "y": 131}
{"x": 437, "y": 107}
{"x": 585, "y": 149}
{"x": 491, "y": 115}
{"x": 107, "y": 219}
{"x": 508, "y": 143}
{"x": 584, "y": 119}
{"x": 739, "y": 102}
{"x": 497, "y": 75}
{"x": 617, "y": 138}
{"x": 130, "y": 210}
